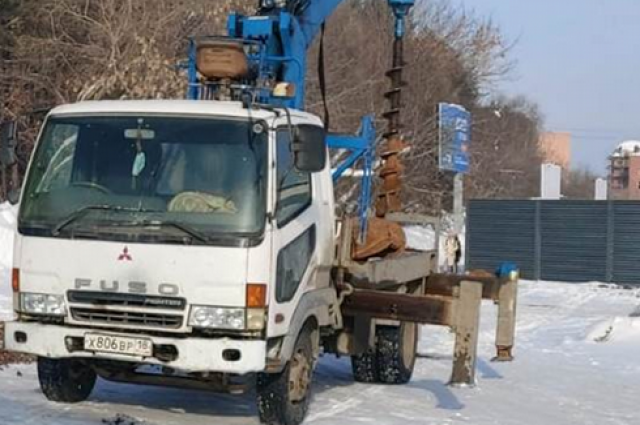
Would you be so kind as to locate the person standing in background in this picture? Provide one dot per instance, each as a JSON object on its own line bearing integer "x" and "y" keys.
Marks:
{"x": 453, "y": 252}
{"x": 458, "y": 254}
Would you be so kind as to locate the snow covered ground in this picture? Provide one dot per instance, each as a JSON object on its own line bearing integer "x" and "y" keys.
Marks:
{"x": 577, "y": 363}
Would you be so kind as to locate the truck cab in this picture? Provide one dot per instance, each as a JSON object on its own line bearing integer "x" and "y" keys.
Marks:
{"x": 177, "y": 234}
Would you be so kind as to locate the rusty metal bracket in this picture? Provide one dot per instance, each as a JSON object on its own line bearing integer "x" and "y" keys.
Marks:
{"x": 506, "y": 329}
{"x": 453, "y": 301}
{"x": 466, "y": 325}
{"x": 502, "y": 291}
{"x": 460, "y": 312}
{"x": 432, "y": 310}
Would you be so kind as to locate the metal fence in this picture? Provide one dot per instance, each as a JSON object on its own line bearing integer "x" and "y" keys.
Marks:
{"x": 572, "y": 241}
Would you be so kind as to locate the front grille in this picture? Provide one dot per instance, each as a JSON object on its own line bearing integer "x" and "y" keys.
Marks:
{"x": 108, "y": 317}
{"x": 126, "y": 300}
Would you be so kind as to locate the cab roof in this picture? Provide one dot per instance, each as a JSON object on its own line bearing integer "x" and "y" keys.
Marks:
{"x": 173, "y": 107}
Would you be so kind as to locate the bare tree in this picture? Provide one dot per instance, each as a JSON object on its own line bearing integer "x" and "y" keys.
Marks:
{"x": 452, "y": 57}
{"x": 505, "y": 151}
{"x": 579, "y": 184}
{"x": 59, "y": 51}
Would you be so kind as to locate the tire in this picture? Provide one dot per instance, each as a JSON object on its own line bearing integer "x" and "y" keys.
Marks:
{"x": 365, "y": 367}
{"x": 280, "y": 403}
{"x": 396, "y": 353}
{"x": 65, "y": 380}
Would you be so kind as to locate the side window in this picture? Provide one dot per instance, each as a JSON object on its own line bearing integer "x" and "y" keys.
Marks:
{"x": 293, "y": 261}
{"x": 294, "y": 187}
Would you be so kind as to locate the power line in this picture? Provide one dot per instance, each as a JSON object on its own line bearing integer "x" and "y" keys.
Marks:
{"x": 593, "y": 130}
{"x": 601, "y": 138}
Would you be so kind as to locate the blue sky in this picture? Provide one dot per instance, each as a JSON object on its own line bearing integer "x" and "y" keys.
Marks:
{"x": 580, "y": 61}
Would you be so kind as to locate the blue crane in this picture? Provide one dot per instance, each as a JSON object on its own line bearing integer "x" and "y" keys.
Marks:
{"x": 275, "y": 41}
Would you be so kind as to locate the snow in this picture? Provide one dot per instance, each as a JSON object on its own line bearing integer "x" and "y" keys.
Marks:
{"x": 8, "y": 215}
{"x": 420, "y": 238}
{"x": 576, "y": 364}
{"x": 619, "y": 331}
{"x": 628, "y": 148}
{"x": 423, "y": 238}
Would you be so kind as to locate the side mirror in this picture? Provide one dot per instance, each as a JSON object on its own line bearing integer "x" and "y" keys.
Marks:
{"x": 309, "y": 148}
{"x": 8, "y": 158}
{"x": 8, "y": 143}
{"x": 13, "y": 196}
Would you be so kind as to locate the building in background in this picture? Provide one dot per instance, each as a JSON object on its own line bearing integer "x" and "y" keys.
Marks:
{"x": 550, "y": 181}
{"x": 601, "y": 189}
{"x": 624, "y": 171}
{"x": 555, "y": 148}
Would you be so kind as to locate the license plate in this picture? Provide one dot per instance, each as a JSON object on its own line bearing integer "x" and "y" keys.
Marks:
{"x": 101, "y": 343}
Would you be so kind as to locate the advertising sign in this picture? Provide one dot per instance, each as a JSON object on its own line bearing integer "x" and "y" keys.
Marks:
{"x": 454, "y": 126}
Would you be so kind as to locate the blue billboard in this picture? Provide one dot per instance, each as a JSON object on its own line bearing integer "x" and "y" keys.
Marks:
{"x": 454, "y": 127}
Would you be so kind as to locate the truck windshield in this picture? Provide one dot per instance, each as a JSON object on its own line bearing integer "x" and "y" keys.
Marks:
{"x": 147, "y": 176}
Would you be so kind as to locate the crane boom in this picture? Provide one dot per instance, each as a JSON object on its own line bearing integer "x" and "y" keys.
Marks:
{"x": 314, "y": 16}
{"x": 264, "y": 61}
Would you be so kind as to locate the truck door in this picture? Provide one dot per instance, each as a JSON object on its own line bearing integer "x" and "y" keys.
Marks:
{"x": 297, "y": 232}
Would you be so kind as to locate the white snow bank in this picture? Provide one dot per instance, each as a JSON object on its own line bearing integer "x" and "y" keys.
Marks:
{"x": 559, "y": 377}
{"x": 619, "y": 330}
{"x": 8, "y": 214}
{"x": 420, "y": 238}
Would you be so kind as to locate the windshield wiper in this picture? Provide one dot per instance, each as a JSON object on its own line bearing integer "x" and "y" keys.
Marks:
{"x": 185, "y": 228}
{"x": 82, "y": 211}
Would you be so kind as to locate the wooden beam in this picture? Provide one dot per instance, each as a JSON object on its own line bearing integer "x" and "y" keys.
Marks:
{"x": 466, "y": 327}
{"x": 444, "y": 284}
{"x": 433, "y": 310}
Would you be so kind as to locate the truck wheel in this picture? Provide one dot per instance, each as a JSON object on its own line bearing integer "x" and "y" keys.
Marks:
{"x": 283, "y": 398}
{"x": 364, "y": 367}
{"x": 65, "y": 380}
{"x": 396, "y": 353}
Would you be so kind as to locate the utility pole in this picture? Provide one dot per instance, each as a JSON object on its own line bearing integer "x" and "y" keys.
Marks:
{"x": 458, "y": 203}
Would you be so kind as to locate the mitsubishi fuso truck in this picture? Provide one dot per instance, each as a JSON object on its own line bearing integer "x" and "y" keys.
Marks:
{"x": 197, "y": 243}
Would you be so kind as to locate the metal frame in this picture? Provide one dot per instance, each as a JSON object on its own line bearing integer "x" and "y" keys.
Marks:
{"x": 360, "y": 148}
{"x": 457, "y": 307}
{"x": 377, "y": 290}
{"x": 566, "y": 240}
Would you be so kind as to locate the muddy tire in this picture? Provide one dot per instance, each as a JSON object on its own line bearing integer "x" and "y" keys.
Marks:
{"x": 283, "y": 398}
{"x": 365, "y": 367}
{"x": 396, "y": 353}
{"x": 65, "y": 380}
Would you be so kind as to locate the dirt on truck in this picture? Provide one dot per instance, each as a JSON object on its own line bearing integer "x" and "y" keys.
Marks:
{"x": 7, "y": 357}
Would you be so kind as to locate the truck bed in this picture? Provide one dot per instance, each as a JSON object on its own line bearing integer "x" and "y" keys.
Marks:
{"x": 409, "y": 266}
{"x": 389, "y": 272}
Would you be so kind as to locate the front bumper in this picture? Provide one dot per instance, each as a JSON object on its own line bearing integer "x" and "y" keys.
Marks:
{"x": 194, "y": 354}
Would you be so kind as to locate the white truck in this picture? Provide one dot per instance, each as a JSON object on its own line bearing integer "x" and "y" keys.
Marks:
{"x": 191, "y": 235}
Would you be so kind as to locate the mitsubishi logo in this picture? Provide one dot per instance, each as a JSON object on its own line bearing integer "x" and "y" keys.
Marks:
{"x": 125, "y": 256}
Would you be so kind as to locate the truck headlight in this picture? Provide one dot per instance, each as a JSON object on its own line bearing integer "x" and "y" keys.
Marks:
{"x": 217, "y": 317}
{"x": 47, "y": 304}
